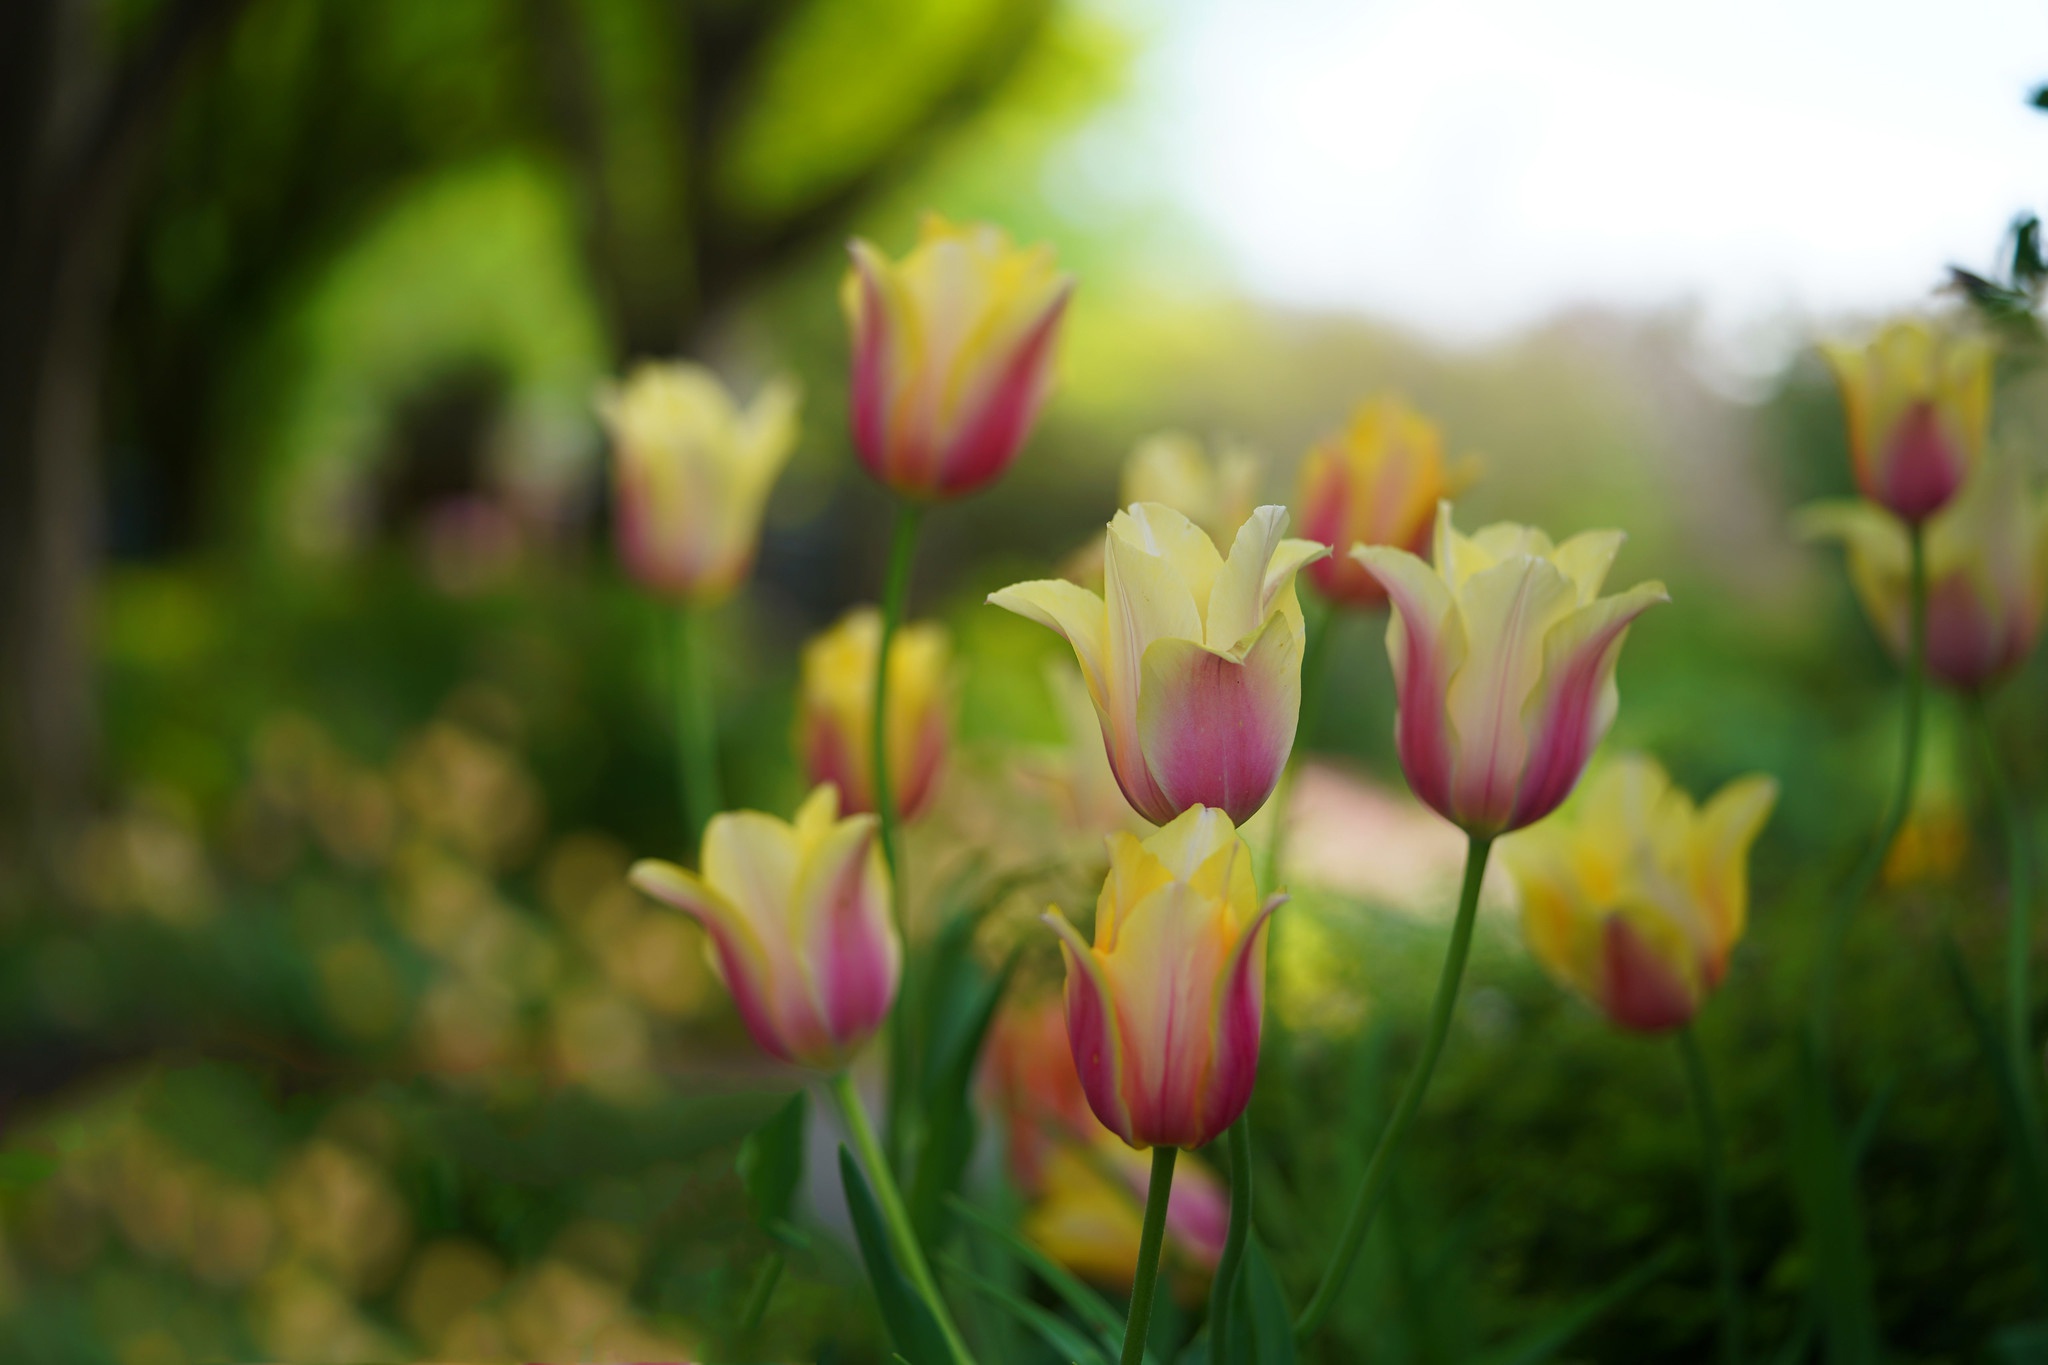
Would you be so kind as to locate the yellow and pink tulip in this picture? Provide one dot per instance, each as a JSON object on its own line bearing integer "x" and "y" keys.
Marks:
{"x": 691, "y": 471}
{"x": 836, "y": 705}
{"x": 952, "y": 355}
{"x": 1634, "y": 897}
{"x": 1987, "y": 572}
{"x": 1164, "y": 1010}
{"x": 798, "y": 914}
{"x": 1504, "y": 654}
{"x": 1918, "y": 404}
{"x": 1375, "y": 482}
{"x": 1193, "y": 660}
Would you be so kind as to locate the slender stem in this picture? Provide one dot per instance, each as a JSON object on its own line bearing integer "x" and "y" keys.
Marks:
{"x": 696, "y": 725}
{"x": 1319, "y": 626}
{"x": 2019, "y": 940}
{"x": 1379, "y": 1171}
{"x": 1223, "y": 1289}
{"x": 765, "y": 1281}
{"x": 1156, "y": 1199}
{"x": 893, "y": 1212}
{"x": 895, "y": 591}
{"x": 1712, "y": 1157}
{"x": 1836, "y": 931}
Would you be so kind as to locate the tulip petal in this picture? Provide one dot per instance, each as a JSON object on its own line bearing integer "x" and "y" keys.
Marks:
{"x": 743, "y": 958}
{"x": 1641, "y": 990}
{"x": 1214, "y": 732}
{"x": 987, "y": 440}
{"x": 1586, "y": 558}
{"x": 1172, "y": 947}
{"x": 1727, "y": 826}
{"x": 1239, "y": 1015}
{"x": 850, "y": 951}
{"x": 1510, "y": 606}
{"x": 1092, "y": 1032}
{"x": 1426, "y": 644}
{"x": 1578, "y": 698}
{"x": 1077, "y": 614}
{"x": 1237, "y": 599}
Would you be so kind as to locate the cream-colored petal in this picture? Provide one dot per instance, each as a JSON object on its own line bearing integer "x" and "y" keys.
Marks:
{"x": 1508, "y": 611}
{"x": 751, "y": 860}
{"x": 1237, "y": 598}
{"x": 1586, "y": 558}
{"x": 1077, "y": 614}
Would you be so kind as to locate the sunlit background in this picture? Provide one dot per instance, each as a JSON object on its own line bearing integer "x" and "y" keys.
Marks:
{"x": 329, "y": 1030}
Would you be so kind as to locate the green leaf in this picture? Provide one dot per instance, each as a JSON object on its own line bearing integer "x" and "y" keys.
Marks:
{"x": 1090, "y": 1306}
{"x": 911, "y": 1326}
{"x": 771, "y": 1166}
{"x": 1822, "y": 1168}
{"x": 1546, "y": 1339}
{"x": 950, "y": 1127}
{"x": 1064, "y": 1338}
{"x": 2024, "y": 1343}
{"x": 1262, "y": 1307}
{"x": 2032, "y": 1209}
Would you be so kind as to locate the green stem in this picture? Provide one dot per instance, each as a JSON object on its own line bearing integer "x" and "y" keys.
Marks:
{"x": 1379, "y": 1171}
{"x": 765, "y": 1281}
{"x": 2019, "y": 936}
{"x": 1836, "y": 931}
{"x": 1315, "y": 654}
{"x": 1712, "y": 1156}
{"x": 902, "y": 1045}
{"x": 696, "y": 725}
{"x": 1154, "y": 1236}
{"x": 893, "y": 1213}
{"x": 1223, "y": 1289}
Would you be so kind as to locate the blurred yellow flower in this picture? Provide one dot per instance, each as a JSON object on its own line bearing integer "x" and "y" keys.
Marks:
{"x": 1217, "y": 492}
{"x": 1918, "y": 404}
{"x": 691, "y": 472}
{"x": 836, "y": 707}
{"x": 1091, "y": 1214}
{"x": 1634, "y": 897}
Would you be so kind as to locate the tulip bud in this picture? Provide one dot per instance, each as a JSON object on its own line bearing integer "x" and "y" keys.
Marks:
{"x": 1987, "y": 573}
{"x": 1634, "y": 897}
{"x": 952, "y": 355}
{"x": 798, "y": 916}
{"x": 1503, "y": 658}
{"x": 836, "y": 710}
{"x": 1376, "y": 482}
{"x": 1918, "y": 405}
{"x": 1193, "y": 661}
{"x": 690, "y": 475}
{"x": 1164, "y": 1011}
{"x": 1215, "y": 493}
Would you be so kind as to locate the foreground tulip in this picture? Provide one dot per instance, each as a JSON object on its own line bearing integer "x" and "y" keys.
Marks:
{"x": 1633, "y": 896}
{"x": 690, "y": 474}
{"x": 1918, "y": 404}
{"x": 798, "y": 915}
{"x": 1987, "y": 573}
{"x": 1216, "y": 492}
{"x": 1503, "y": 657}
{"x": 835, "y": 718}
{"x": 1376, "y": 482}
{"x": 1193, "y": 661}
{"x": 1164, "y": 1011}
{"x": 952, "y": 355}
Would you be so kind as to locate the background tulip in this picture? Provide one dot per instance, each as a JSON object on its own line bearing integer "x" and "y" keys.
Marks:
{"x": 1918, "y": 404}
{"x": 1214, "y": 491}
{"x": 952, "y": 355}
{"x": 835, "y": 715}
{"x": 1193, "y": 661}
{"x": 798, "y": 915}
{"x": 1376, "y": 482}
{"x": 1164, "y": 1011}
{"x": 1503, "y": 658}
{"x": 1088, "y": 1218}
{"x": 1633, "y": 896}
{"x": 690, "y": 474}
{"x": 1987, "y": 572}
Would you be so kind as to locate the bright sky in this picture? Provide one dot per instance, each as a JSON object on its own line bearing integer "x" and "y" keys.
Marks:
{"x": 1468, "y": 166}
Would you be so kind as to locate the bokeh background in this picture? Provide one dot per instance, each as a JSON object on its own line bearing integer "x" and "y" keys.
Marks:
{"x": 328, "y": 1029}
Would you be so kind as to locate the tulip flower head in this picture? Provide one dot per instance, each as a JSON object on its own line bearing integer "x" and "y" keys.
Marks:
{"x": 1987, "y": 572}
{"x": 1193, "y": 661}
{"x": 1376, "y": 482}
{"x": 1918, "y": 404}
{"x": 691, "y": 472}
{"x": 952, "y": 355}
{"x": 1634, "y": 897}
{"x": 836, "y": 707}
{"x": 1503, "y": 658}
{"x": 1164, "y": 1011}
{"x": 1216, "y": 492}
{"x": 798, "y": 915}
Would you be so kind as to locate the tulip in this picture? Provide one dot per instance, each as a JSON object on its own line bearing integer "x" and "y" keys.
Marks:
{"x": 1987, "y": 573}
{"x": 1376, "y": 482}
{"x": 1193, "y": 661}
{"x": 952, "y": 355}
{"x": 835, "y": 718}
{"x": 798, "y": 916}
{"x": 1918, "y": 404}
{"x": 1030, "y": 1072}
{"x": 691, "y": 473}
{"x": 1215, "y": 492}
{"x": 1634, "y": 896}
{"x": 1164, "y": 1011}
{"x": 1089, "y": 1216}
{"x": 1503, "y": 658}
